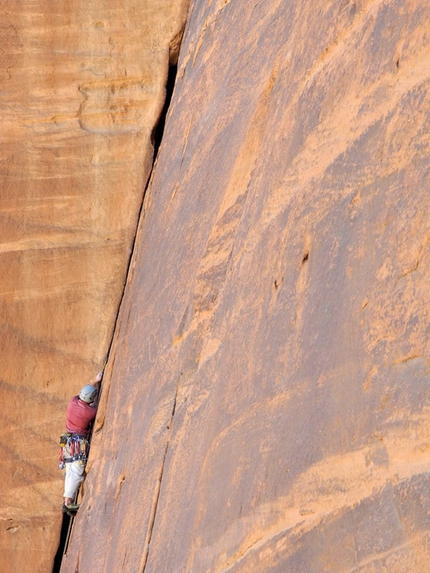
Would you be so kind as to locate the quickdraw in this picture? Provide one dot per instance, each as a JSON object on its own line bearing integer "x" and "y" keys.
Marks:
{"x": 73, "y": 448}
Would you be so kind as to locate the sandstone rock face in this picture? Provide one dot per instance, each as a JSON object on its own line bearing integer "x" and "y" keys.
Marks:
{"x": 268, "y": 409}
{"x": 266, "y": 406}
{"x": 82, "y": 86}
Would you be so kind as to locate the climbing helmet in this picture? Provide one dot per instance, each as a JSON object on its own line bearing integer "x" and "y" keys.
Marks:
{"x": 88, "y": 393}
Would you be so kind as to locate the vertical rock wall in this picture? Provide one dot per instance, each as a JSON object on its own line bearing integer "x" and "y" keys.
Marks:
{"x": 82, "y": 85}
{"x": 269, "y": 407}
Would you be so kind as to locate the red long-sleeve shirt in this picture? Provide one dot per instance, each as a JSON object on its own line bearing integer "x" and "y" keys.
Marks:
{"x": 79, "y": 416}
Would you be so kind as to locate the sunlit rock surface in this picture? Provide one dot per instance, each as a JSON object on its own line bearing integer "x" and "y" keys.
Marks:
{"x": 266, "y": 407}
{"x": 82, "y": 85}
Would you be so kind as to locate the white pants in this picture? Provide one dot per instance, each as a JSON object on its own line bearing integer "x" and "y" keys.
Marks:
{"x": 74, "y": 477}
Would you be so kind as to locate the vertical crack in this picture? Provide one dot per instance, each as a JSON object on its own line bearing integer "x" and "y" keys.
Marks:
{"x": 158, "y": 486}
{"x": 157, "y": 136}
{"x": 62, "y": 545}
{"x": 158, "y": 131}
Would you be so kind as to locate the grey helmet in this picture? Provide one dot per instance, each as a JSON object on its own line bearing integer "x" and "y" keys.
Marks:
{"x": 88, "y": 394}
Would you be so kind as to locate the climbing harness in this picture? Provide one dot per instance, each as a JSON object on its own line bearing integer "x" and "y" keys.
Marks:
{"x": 73, "y": 448}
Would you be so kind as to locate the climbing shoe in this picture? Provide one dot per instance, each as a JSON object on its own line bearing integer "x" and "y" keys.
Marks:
{"x": 70, "y": 508}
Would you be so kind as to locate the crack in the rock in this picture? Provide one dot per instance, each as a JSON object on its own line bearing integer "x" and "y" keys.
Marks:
{"x": 62, "y": 544}
{"x": 158, "y": 486}
{"x": 158, "y": 131}
{"x": 157, "y": 136}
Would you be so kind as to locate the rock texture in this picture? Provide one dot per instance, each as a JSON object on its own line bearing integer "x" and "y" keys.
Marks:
{"x": 82, "y": 85}
{"x": 268, "y": 409}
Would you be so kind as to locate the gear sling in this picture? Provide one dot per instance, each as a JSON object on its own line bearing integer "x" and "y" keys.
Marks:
{"x": 73, "y": 448}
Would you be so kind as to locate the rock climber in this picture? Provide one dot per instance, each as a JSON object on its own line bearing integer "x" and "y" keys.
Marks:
{"x": 80, "y": 414}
